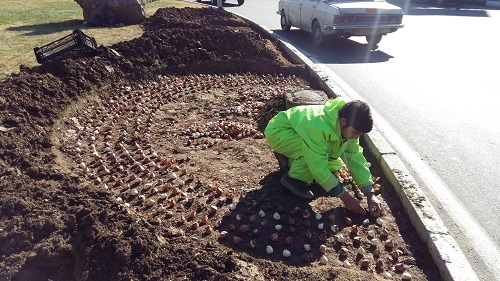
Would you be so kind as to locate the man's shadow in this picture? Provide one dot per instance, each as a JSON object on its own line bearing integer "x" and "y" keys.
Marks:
{"x": 272, "y": 216}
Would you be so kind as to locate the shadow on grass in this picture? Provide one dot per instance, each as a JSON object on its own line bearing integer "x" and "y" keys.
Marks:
{"x": 47, "y": 28}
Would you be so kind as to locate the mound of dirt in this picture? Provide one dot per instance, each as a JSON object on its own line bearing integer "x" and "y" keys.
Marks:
{"x": 147, "y": 162}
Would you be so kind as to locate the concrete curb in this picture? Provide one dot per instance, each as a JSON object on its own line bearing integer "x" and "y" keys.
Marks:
{"x": 444, "y": 249}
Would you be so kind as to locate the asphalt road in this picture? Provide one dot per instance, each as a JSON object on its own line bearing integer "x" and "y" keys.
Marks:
{"x": 435, "y": 88}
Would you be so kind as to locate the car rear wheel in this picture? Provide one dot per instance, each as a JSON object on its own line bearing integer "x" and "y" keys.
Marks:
{"x": 317, "y": 33}
{"x": 285, "y": 26}
{"x": 373, "y": 39}
{"x": 240, "y": 2}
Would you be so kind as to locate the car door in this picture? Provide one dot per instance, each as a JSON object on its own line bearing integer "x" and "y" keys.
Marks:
{"x": 294, "y": 12}
{"x": 307, "y": 10}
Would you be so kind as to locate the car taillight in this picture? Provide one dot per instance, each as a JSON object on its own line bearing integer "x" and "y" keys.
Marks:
{"x": 394, "y": 18}
{"x": 343, "y": 19}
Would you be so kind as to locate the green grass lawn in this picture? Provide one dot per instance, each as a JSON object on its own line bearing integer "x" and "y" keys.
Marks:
{"x": 34, "y": 23}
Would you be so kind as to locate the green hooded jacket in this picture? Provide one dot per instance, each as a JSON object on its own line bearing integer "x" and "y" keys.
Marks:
{"x": 310, "y": 136}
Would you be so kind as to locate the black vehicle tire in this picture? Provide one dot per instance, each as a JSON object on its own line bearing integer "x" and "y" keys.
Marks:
{"x": 285, "y": 25}
{"x": 240, "y": 2}
{"x": 373, "y": 39}
{"x": 317, "y": 34}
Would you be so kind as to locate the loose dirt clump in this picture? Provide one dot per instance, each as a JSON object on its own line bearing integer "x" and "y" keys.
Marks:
{"x": 147, "y": 162}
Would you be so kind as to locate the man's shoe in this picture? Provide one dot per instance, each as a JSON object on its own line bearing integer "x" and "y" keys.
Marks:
{"x": 297, "y": 187}
{"x": 282, "y": 161}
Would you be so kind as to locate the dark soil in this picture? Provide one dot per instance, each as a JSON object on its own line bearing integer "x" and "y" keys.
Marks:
{"x": 146, "y": 161}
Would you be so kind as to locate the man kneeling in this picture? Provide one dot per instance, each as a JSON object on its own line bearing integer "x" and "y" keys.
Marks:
{"x": 313, "y": 141}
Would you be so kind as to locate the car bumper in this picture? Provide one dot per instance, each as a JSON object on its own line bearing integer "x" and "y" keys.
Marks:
{"x": 360, "y": 30}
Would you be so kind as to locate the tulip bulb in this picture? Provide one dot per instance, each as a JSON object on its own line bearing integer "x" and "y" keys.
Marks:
{"x": 192, "y": 214}
{"x": 361, "y": 251}
{"x": 348, "y": 221}
{"x": 276, "y": 216}
{"x": 318, "y": 216}
{"x": 244, "y": 228}
{"x": 204, "y": 219}
{"x": 335, "y": 228}
{"x": 322, "y": 237}
{"x": 236, "y": 240}
{"x": 274, "y": 237}
{"x": 323, "y": 260}
{"x": 182, "y": 219}
{"x": 406, "y": 276}
{"x": 341, "y": 238}
{"x": 306, "y": 214}
{"x": 399, "y": 267}
{"x": 208, "y": 230}
{"x": 386, "y": 275}
{"x": 322, "y": 249}
{"x": 269, "y": 250}
{"x": 343, "y": 251}
{"x": 389, "y": 243}
{"x": 286, "y": 253}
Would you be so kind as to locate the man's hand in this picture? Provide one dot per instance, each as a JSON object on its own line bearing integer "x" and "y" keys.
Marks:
{"x": 374, "y": 205}
{"x": 352, "y": 204}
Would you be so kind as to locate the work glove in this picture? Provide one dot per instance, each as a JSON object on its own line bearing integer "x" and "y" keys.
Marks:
{"x": 367, "y": 190}
{"x": 337, "y": 191}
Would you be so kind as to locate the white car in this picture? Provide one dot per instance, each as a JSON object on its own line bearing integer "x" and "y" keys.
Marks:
{"x": 346, "y": 18}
